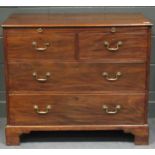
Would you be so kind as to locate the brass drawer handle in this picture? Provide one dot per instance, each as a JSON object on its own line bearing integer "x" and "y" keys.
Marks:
{"x": 36, "y": 108}
{"x": 34, "y": 43}
{"x": 43, "y": 79}
{"x": 111, "y": 77}
{"x": 112, "y": 49}
{"x": 115, "y": 111}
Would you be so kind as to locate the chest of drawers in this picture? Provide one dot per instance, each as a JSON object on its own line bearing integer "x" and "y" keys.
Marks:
{"x": 78, "y": 72}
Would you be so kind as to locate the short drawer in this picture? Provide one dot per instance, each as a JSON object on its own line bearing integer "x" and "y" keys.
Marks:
{"x": 37, "y": 76}
{"x": 74, "y": 109}
{"x": 57, "y": 46}
{"x": 103, "y": 46}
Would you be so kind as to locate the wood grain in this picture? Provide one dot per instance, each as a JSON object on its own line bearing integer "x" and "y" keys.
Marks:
{"x": 61, "y": 46}
{"x": 92, "y": 46}
{"x": 27, "y": 31}
{"x": 76, "y": 59}
{"x": 76, "y": 109}
{"x": 141, "y": 132}
{"x": 78, "y": 77}
{"x": 76, "y": 20}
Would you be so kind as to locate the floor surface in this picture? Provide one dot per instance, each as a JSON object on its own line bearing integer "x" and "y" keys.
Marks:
{"x": 77, "y": 140}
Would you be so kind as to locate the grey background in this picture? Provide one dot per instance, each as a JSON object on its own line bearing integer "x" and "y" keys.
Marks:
{"x": 147, "y": 11}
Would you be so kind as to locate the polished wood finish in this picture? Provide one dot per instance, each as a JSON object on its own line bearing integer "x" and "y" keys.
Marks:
{"x": 141, "y": 132}
{"x": 76, "y": 20}
{"x": 27, "y": 31}
{"x": 69, "y": 109}
{"x": 92, "y": 46}
{"x": 76, "y": 77}
{"x": 61, "y": 46}
{"x": 86, "y": 86}
{"x": 91, "y": 43}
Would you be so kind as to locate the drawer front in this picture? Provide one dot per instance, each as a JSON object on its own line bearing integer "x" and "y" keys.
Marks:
{"x": 76, "y": 109}
{"x": 47, "y": 30}
{"x": 76, "y": 77}
{"x": 57, "y": 46}
{"x": 113, "y": 46}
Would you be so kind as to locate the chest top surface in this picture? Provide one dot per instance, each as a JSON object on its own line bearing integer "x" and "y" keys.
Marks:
{"x": 76, "y": 20}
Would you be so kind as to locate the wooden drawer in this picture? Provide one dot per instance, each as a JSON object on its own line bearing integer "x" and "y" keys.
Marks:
{"x": 115, "y": 46}
{"x": 57, "y": 46}
{"x": 37, "y": 76}
{"x": 78, "y": 72}
{"x": 26, "y": 31}
{"x": 73, "y": 109}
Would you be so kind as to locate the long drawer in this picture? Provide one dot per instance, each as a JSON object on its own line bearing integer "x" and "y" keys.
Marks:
{"x": 45, "y": 31}
{"x": 74, "y": 109}
{"x": 40, "y": 76}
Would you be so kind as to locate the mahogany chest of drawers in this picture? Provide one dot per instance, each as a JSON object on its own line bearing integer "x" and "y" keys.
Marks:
{"x": 77, "y": 72}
